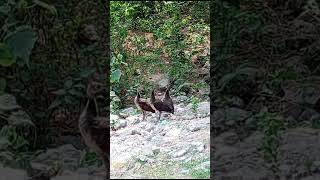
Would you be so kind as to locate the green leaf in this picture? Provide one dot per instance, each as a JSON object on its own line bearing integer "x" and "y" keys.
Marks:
{"x": 20, "y": 118}
{"x": 21, "y": 42}
{"x": 8, "y": 102}
{"x": 5, "y": 9}
{"x": 85, "y": 73}
{"x": 2, "y": 84}
{"x": 115, "y": 75}
{"x": 80, "y": 86}
{"x": 60, "y": 92}
{"x": 44, "y": 5}
{"x": 75, "y": 93}
{"x": 4, "y": 143}
{"x": 6, "y": 58}
{"x": 57, "y": 102}
{"x": 68, "y": 84}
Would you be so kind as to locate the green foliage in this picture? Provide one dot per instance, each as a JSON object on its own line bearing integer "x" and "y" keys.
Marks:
{"x": 194, "y": 103}
{"x": 21, "y": 42}
{"x": 14, "y": 145}
{"x": 196, "y": 171}
{"x": 271, "y": 126}
{"x": 89, "y": 158}
{"x": 6, "y": 58}
{"x": 280, "y": 76}
{"x": 154, "y": 37}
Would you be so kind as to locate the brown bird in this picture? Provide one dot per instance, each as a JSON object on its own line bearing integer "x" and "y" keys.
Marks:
{"x": 165, "y": 104}
{"x": 94, "y": 128}
{"x": 143, "y": 105}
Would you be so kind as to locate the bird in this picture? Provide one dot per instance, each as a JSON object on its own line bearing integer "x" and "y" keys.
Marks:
{"x": 143, "y": 105}
{"x": 165, "y": 104}
{"x": 94, "y": 128}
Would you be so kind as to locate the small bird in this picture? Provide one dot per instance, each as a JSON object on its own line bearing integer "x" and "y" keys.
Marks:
{"x": 165, "y": 104}
{"x": 94, "y": 128}
{"x": 143, "y": 105}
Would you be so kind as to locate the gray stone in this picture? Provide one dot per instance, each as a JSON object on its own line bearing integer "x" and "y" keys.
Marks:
{"x": 180, "y": 99}
{"x": 128, "y": 111}
{"x": 155, "y": 150}
{"x": 203, "y": 108}
{"x": 173, "y": 132}
{"x": 135, "y": 131}
{"x": 180, "y": 153}
{"x": 194, "y": 128}
{"x": 122, "y": 123}
{"x": 13, "y": 174}
{"x": 113, "y": 117}
{"x": 201, "y": 148}
{"x": 66, "y": 154}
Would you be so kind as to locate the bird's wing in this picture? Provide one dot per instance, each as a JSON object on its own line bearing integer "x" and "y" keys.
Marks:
{"x": 148, "y": 101}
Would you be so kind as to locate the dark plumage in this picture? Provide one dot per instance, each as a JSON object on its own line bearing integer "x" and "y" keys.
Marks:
{"x": 94, "y": 129}
{"x": 163, "y": 105}
{"x": 144, "y": 105}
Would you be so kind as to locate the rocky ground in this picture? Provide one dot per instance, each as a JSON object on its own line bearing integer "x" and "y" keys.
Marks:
{"x": 242, "y": 157}
{"x": 177, "y": 146}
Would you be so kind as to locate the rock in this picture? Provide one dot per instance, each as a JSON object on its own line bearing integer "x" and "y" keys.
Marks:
{"x": 230, "y": 138}
{"x": 39, "y": 166}
{"x": 180, "y": 99}
{"x": 200, "y": 148}
{"x": 308, "y": 114}
{"x": 236, "y": 101}
{"x": 112, "y": 94}
{"x": 123, "y": 123}
{"x": 188, "y": 116}
{"x": 13, "y": 174}
{"x": 8, "y": 102}
{"x": 194, "y": 128}
{"x": 128, "y": 111}
{"x": 135, "y": 131}
{"x": 155, "y": 150}
{"x": 132, "y": 118}
{"x": 173, "y": 132}
{"x": 180, "y": 153}
{"x": 83, "y": 171}
{"x": 114, "y": 117}
{"x": 315, "y": 166}
{"x": 76, "y": 141}
{"x": 149, "y": 127}
{"x": 67, "y": 155}
{"x": 204, "y": 92}
{"x": 203, "y": 108}
{"x": 225, "y": 118}
{"x": 142, "y": 158}
{"x": 147, "y": 152}
{"x": 75, "y": 176}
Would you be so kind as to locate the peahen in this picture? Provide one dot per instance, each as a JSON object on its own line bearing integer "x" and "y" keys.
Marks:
{"x": 93, "y": 127}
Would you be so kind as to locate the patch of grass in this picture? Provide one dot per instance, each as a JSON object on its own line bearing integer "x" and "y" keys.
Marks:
{"x": 167, "y": 169}
{"x": 271, "y": 126}
{"x": 195, "y": 103}
{"x": 163, "y": 171}
{"x": 89, "y": 158}
{"x": 196, "y": 171}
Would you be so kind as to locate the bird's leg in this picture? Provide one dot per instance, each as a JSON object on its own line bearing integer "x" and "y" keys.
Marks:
{"x": 159, "y": 115}
{"x": 144, "y": 115}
